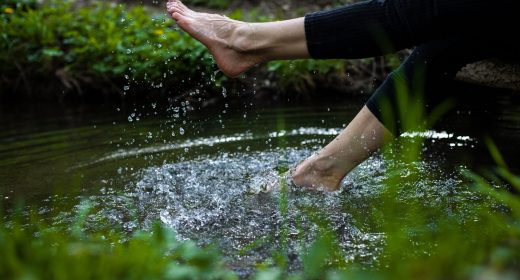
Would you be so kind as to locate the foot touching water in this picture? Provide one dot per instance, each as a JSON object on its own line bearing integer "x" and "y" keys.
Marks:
{"x": 230, "y": 42}
{"x": 317, "y": 174}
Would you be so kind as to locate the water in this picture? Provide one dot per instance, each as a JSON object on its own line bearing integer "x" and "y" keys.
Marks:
{"x": 202, "y": 173}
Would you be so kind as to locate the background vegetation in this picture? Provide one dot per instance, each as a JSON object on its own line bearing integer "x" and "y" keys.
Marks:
{"x": 102, "y": 50}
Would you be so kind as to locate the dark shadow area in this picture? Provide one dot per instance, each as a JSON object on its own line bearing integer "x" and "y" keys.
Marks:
{"x": 484, "y": 112}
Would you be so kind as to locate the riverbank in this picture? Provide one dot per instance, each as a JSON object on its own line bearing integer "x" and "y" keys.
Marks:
{"x": 123, "y": 53}
{"x": 99, "y": 52}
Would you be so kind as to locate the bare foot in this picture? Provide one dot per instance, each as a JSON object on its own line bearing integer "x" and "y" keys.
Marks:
{"x": 317, "y": 173}
{"x": 229, "y": 41}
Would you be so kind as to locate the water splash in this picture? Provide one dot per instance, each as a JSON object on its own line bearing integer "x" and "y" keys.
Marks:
{"x": 221, "y": 199}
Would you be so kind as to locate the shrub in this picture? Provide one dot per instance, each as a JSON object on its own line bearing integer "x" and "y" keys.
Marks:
{"x": 96, "y": 47}
{"x": 59, "y": 49}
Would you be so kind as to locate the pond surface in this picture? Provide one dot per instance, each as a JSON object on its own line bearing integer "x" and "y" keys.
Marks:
{"x": 200, "y": 172}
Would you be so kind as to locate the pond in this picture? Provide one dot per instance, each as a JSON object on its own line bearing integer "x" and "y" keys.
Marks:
{"x": 200, "y": 171}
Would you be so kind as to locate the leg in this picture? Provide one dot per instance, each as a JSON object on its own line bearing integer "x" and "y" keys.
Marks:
{"x": 414, "y": 90}
{"x": 364, "y": 29}
{"x": 427, "y": 70}
{"x": 237, "y": 46}
{"x": 352, "y": 31}
{"x": 363, "y": 136}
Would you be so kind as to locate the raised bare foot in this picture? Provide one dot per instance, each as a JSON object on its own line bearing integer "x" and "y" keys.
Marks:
{"x": 229, "y": 41}
{"x": 317, "y": 173}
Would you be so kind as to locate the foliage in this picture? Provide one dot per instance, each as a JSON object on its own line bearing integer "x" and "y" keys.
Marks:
{"x": 17, "y": 4}
{"x": 301, "y": 75}
{"x": 98, "y": 47}
{"x": 109, "y": 48}
{"x": 37, "y": 251}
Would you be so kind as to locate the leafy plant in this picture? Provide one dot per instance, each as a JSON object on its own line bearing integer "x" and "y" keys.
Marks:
{"x": 103, "y": 46}
{"x": 38, "y": 251}
{"x": 109, "y": 48}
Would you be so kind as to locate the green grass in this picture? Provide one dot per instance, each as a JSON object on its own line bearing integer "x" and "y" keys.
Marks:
{"x": 35, "y": 250}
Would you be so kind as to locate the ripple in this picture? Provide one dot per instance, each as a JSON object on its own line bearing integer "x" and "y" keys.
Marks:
{"x": 218, "y": 200}
{"x": 239, "y": 137}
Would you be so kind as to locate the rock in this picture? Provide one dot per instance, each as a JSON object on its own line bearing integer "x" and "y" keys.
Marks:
{"x": 493, "y": 73}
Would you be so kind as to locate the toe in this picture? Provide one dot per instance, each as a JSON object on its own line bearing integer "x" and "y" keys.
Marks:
{"x": 176, "y": 16}
{"x": 183, "y": 22}
{"x": 179, "y": 9}
{"x": 181, "y": 4}
{"x": 169, "y": 7}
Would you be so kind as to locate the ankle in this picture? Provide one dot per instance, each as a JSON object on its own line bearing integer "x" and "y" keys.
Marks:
{"x": 318, "y": 171}
{"x": 246, "y": 38}
{"x": 321, "y": 166}
{"x": 325, "y": 165}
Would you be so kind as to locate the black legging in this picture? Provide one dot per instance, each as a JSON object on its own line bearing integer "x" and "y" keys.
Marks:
{"x": 448, "y": 34}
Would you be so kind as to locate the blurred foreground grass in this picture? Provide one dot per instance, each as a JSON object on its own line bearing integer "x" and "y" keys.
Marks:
{"x": 36, "y": 251}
